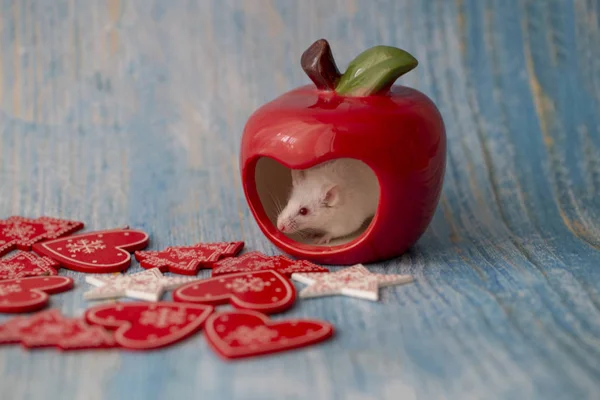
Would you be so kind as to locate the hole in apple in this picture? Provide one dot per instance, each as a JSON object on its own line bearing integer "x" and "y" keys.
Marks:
{"x": 305, "y": 205}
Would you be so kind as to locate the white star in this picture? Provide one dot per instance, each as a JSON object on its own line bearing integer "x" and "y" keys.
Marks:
{"x": 147, "y": 285}
{"x": 356, "y": 281}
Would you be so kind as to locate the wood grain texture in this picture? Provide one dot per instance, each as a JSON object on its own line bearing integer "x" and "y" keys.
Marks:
{"x": 131, "y": 112}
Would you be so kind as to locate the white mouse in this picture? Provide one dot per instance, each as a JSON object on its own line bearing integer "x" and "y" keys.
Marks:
{"x": 334, "y": 199}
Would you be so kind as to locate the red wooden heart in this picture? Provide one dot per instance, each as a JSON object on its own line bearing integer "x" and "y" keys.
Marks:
{"x": 265, "y": 291}
{"x": 22, "y": 233}
{"x": 95, "y": 252}
{"x": 187, "y": 260}
{"x": 239, "y": 334}
{"x": 144, "y": 326}
{"x": 23, "y": 264}
{"x": 30, "y": 294}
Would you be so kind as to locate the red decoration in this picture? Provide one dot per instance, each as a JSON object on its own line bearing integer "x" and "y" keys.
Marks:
{"x": 189, "y": 259}
{"x": 9, "y": 331}
{"x": 95, "y": 252}
{"x": 23, "y": 264}
{"x": 144, "y": 326}
{"x": 30, "y": 294}
{"x": 21, "y": 233}
{"x": 399, "y": 134}
{"x": 249, "y": 333}
{"x": 265, "y": 291}
{"x": 256, "y": 261}
{"x": 51, "y": 329}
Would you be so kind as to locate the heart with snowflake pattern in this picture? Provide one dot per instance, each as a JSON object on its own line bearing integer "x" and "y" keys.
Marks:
{"x": 264, "y": 291}
{"x": 147, "y": 326}
{"x": 30, "y": 294}
{"x": 247, "y": 333}
{"x": 95, "y": 252}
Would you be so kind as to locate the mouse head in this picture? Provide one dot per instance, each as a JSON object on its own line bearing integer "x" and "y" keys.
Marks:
{"x": 312, "y": 204}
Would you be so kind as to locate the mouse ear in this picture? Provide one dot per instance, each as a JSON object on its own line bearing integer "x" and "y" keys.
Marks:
{"x": 297, "y": 176}
{"x": 332, "y": 196}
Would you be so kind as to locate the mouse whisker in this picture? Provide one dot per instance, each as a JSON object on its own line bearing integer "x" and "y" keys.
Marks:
{"x": 273, "y": 200}
{"x": 276, "y": 203}
{"x": 293, "y": 225}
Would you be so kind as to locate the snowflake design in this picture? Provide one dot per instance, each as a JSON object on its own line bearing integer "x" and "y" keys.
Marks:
{"x": 243, "y": 285}
{"x": 216, "y": 247}
{"x": 257, "y": 265}
{"x": 301, "y": 268}
{"x": 51, "y": 329}
{"x": 40, "y": 262}
{"x": 229, "y": 262}
{"x": 246, "y": 335}
{"x": 25, "y": 264}
{"x": 86, "y": 246}
{"x": 52, "y": 228}
{"x": 5, "y": 290}
{"x": 19, "y": 230}
{"x": 249, "y": 258}
{"x": 162, "y": 318}
{"x": 10, "y": 269}
{"x": 16, "y": 270}
{"x": 263, "y": 265}
{"x": 89, "y": 336}
{"x": 183, "y": 254}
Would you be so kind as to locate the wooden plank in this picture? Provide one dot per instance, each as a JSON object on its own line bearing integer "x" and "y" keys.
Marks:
{"x": 131, "y": 112}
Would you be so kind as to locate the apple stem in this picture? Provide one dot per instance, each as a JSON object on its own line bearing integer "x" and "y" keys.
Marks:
{"x": 318, "y": 63}
{"x": 372, "y": 72}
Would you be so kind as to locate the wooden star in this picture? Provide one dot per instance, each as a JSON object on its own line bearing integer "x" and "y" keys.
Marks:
{"x": 356, "y": 281}
{"x": 147, "y": 285}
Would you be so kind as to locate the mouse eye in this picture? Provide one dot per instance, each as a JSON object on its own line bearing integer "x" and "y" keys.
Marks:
{"x": 303, "y": 211}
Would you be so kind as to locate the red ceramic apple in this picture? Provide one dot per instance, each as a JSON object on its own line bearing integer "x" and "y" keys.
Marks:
{"x": 396, "y": 131}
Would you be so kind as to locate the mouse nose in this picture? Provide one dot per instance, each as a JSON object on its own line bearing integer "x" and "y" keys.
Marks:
{"x": 281, "y": 226}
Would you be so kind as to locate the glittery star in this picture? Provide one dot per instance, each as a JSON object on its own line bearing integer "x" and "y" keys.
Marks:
{"x": 356, "y": 281}
{"x": 147, "y": 285}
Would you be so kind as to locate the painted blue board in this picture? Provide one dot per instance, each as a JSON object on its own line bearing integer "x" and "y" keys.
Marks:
{"x": 130, "y": 113}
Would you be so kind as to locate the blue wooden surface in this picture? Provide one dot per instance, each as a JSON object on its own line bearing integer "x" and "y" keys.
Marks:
{"x": 130, "y": 112}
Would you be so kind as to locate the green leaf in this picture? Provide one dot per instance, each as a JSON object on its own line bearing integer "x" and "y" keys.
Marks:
{"x": 374, "y": 71}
